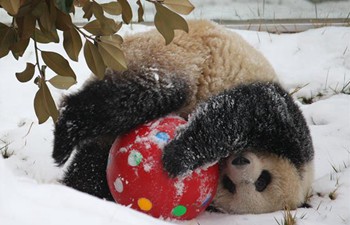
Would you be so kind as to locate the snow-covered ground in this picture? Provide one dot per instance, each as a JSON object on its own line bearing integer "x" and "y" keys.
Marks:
{"x": 317, "y": 61}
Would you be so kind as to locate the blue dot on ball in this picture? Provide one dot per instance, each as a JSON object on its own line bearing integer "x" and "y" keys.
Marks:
{"x": 206, "y": 201}
{"x": 163, "y": 136}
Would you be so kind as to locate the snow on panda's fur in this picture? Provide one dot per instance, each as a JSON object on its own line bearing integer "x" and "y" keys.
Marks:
{"x": 263, "y": 142}
{"x": 239, "y": 117}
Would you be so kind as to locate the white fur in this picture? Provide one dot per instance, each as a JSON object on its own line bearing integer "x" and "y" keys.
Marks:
{"x": 288, "y": 188}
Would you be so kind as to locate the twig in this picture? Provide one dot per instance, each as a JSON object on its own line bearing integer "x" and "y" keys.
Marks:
{"x": 155, "y": 1}
{"x": 30, "y": 128}
{"x": 82, "y": 33}
{"x": 41, "y": 69}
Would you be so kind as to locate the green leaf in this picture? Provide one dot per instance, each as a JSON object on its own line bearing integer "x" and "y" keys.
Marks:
{"x": 62, "y": 82}
{"x": 126, "y": 11}
{"x": 180, "y": 6}
{"x": 94, "y": 59}
{"x": 140, "y": 11}
{"x": 166, "y": 22}
{"x": 72, "y": 43}
{"x": 11, "y": 6}
{"x": 58, "y": 64}
{"x": 27, "y": 74}
{"x": 112, "y": 56}
{"x": 112, "y": 8}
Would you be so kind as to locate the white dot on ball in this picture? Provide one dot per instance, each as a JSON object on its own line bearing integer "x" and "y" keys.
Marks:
{"x": 118, "y": 185}
{"x": 134, "y": 158}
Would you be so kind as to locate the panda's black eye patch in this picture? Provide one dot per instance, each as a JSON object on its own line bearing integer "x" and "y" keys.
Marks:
{"x": 240, "y": 161}
{"x": 263, "y": 181}
{"x": 228, "y": 184}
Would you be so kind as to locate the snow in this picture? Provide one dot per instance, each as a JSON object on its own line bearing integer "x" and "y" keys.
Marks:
{"x": 243, "y": 10}
{"x": 24, "y": 201}
{"x": 278, "y": 9}
{"x": 317, "y": 60}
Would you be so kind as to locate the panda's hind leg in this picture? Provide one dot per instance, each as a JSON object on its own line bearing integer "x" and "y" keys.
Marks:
{"x": 87, "y": 171}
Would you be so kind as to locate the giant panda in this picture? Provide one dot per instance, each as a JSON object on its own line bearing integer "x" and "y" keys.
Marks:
{"x": 238, "y": 116}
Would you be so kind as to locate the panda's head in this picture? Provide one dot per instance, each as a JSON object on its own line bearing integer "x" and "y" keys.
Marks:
{"x": 261, "y": 182}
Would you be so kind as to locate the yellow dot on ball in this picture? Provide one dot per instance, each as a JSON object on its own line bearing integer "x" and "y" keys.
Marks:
{"x": 144, "y": 204}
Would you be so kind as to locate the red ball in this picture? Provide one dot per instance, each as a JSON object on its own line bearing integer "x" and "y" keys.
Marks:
{"x": 136, "y": 177}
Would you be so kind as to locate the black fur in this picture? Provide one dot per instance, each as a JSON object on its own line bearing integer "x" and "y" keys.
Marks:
{"x": 91, "y": 119}
{"x": 259, "y": 116}
{"x": 255, "y": 116}
{"x": 87, "y": 172}
{"x": 115, "y": 105}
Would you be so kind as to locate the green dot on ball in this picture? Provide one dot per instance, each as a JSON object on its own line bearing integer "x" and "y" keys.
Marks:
{"x": 134, "y": 158}
{"x": 179, "y": 210}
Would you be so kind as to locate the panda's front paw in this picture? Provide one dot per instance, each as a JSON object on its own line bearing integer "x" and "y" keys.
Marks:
{"x": 175, "y": 162}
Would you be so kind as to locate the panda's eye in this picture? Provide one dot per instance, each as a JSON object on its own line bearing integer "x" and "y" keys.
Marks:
{"x": 263, "y": 181}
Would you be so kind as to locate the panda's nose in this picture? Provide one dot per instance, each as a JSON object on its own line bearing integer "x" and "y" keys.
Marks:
{"x": 240, "y": 161}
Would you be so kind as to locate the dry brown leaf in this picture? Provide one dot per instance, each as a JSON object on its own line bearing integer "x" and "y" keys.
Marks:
{"x": 72, "y": 43}
{"x": 27, "y": 74}
{"x": 58, "y": 64}
{"x": 166, "y": 22}
{"x": 94, "y": 59}
{"x": 180, "y": 6}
